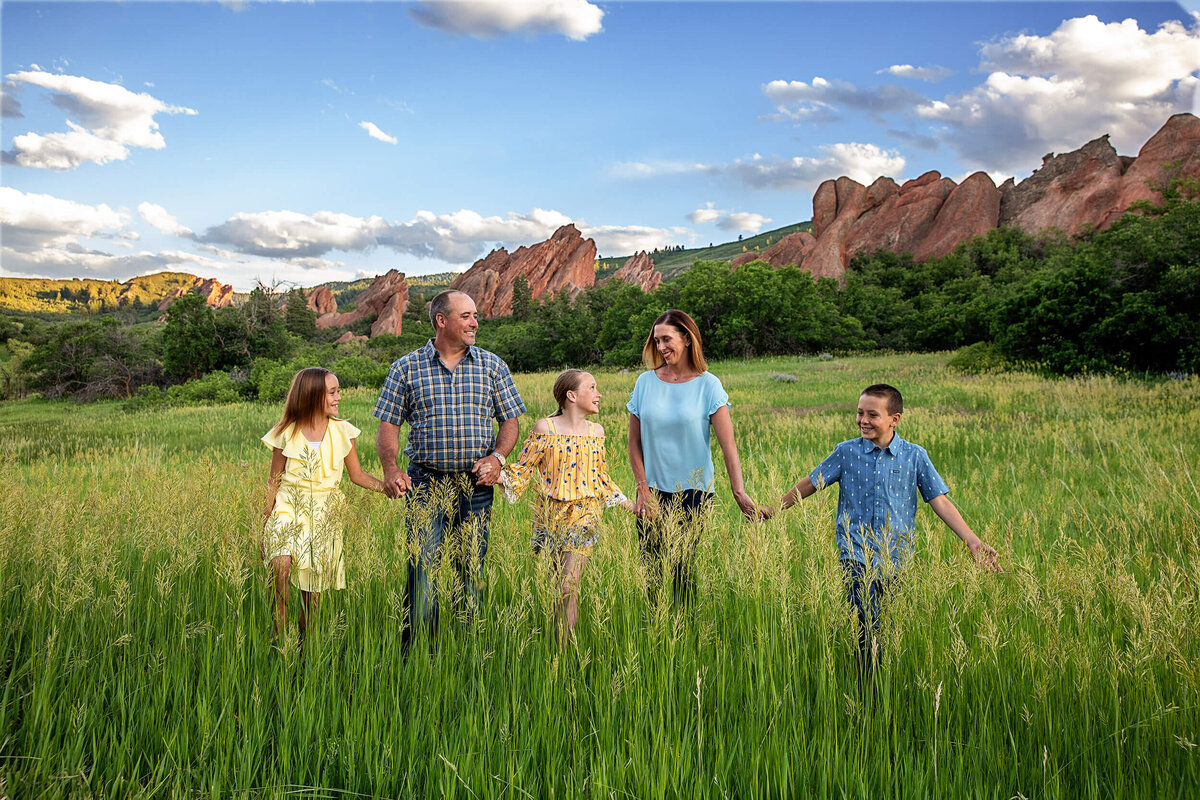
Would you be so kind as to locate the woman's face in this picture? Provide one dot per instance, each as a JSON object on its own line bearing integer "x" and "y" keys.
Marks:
{"x": 671, "y": 343}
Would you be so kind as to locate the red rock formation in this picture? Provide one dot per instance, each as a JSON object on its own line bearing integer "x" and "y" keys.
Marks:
{"x": 788, "y": 251}
{"x": 972, "y": 209}
{"x": 386, "y": 297}
{"x": 1068, "y": 191}
{"x": 931, "y": 215}
{"x": 215, "y": 293}
{"x": 321, "y": 300}
{"x": 349, "y": 336}
{"x": 1177, "y": 144}
{"x": 566, "y": 262}
{"x": 638, "y": 270}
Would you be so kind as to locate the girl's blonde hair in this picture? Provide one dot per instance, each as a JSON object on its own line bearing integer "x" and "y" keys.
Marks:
{"x": 680, "y": 321}
{"x": 567, "y": 381}
{"x": 305, "y": 398}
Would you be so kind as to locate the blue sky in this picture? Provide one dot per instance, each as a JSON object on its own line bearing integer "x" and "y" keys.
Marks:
{"x": 307, "y": 142}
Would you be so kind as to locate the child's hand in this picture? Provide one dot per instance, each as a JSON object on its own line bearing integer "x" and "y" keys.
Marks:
{"x": 985, "y": 556}
{"x": 627, "y": 505}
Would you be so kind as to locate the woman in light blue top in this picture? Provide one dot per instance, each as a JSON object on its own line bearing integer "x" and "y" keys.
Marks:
{"x": 672, "y": 409}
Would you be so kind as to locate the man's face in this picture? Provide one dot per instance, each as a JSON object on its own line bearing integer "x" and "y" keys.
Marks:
{"x": 461, "y": 321}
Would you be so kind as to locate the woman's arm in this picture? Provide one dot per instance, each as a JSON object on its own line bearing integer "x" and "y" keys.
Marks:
{"x": 278, "y": 464}
{"x": 723, "y": 426}
{"x": 644, "y": 504}
{"x": 357, "y": 476}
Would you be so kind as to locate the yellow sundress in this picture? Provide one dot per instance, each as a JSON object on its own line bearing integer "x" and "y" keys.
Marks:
{"x": 305, "y": 523}
{"x": 574, "y": 487}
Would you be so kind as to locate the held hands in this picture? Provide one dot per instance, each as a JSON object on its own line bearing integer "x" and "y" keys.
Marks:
{"x": 487, "y": 471}
{"x": 396, "y": 482}
{"x": 749, "y": 508}
{"x": 646, "y": 505}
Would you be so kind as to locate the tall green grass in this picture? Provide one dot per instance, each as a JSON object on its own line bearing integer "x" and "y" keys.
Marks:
{"x": 137, "y": 657}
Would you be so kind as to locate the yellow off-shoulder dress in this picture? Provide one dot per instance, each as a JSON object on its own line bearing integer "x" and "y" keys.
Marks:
{"x": 573, "y": 489}
{"x": 305, "y": 523}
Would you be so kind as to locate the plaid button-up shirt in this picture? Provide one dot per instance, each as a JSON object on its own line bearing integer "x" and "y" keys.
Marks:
{"x": 449, "y": 413}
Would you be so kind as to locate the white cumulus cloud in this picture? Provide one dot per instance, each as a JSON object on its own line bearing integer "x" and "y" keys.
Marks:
{"x": 106, "y": 119}
{"x": 743, "y": 221}
{"x": 702, "y": 216}
{"x": 373, "y": 131}
{"x": 862, "y": 162}
{"x": 158, "y": 216}
{"x": 33, "y": 221}
{"x": 797, "y": 99}
{"x": 490, "y": 19}
{"x": 930, "y": 74}
{"x": 1055, "y": 92}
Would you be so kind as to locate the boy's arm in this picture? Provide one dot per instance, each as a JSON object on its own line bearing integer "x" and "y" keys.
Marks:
{"x": 803, "y": 488}
{"x": 983, "y": 553}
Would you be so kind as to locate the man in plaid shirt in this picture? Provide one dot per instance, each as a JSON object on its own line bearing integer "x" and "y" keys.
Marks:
{"x": 448, "y": 392}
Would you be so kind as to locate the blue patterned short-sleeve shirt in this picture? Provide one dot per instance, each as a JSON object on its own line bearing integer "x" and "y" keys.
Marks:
{"x": 450, "y": 413}
{"x": 877, "y": 495}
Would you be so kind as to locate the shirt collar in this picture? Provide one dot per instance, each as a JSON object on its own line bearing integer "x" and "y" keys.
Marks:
{"x": 893, "y": 448}
{"x": 434, "y": 357}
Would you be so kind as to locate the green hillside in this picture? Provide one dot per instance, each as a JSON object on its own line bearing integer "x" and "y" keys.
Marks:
{"x": 672, "y": 262}
{"x": 86, "y": 295}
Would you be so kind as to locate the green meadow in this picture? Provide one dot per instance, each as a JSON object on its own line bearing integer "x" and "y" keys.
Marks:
{"x": 138, "y": 661}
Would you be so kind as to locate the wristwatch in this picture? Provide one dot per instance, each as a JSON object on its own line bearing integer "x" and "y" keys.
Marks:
{"x": 497, "y": 454}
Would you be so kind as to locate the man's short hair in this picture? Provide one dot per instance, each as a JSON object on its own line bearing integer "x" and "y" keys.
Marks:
{"x": 890, "y": 395}
{"x": 440, "y": 305}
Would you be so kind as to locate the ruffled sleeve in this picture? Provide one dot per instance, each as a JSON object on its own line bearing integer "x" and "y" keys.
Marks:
{"x": 276, "y": 440}
{"x": 607, "y": 489}
{"x": 341, "y": 436}
{"x": 518, "y": 474}
{"x": 717, "y": 396}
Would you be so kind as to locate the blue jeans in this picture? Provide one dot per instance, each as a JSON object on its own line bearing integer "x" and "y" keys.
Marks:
{"x": 866, "y": 591}
{"x": 448, "y": 517}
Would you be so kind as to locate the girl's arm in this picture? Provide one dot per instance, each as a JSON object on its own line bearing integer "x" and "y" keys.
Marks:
{"x": 357, "y": 476}
{"x": 723, "y": 426}
{"x": 644, "y": 503}
{"x": 610, "y": 492}
{"x": 516, "y": 476}
{"x": 278, "y": 464}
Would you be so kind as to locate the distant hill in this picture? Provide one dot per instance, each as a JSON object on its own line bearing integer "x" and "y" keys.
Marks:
{"x": 671, "y": 263}
{"x": 86, "y": 295}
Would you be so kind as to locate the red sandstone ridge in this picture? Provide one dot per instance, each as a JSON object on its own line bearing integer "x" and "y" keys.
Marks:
{"x": 215, "y": 293}
{"x": 386, "y": 297}
{"x": 637, "y": 271}
{"x": 931, "y": 215}
{"x": 566, "y": 262}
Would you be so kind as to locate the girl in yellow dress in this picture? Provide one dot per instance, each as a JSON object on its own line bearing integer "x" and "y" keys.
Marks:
{"x": 568, "y": 451}
{"x": 302, "y": 539}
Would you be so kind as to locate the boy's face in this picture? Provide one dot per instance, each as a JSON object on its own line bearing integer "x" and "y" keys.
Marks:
{"x": 874, "y": 422}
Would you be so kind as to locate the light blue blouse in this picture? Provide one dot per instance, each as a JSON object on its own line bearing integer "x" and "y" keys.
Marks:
{"x": 675, "y": 429}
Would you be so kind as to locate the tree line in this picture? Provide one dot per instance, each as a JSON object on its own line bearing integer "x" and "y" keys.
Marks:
{"x": 1123, "y": 300}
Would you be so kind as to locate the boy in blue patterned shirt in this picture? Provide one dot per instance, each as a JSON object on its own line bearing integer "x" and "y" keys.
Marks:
{"x": 879, "y": 475}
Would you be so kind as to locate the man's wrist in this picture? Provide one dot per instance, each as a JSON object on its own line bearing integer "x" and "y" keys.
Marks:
{"x": 498, "y": 456}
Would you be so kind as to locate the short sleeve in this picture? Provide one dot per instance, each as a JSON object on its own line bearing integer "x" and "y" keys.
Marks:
{"x": 275, "y": 439}
{"x": 717, "y": 396}
{"x": 506, "y": 401}
{"x": 929, "y": 482}
{"x": 829, "y": 471}
{"x": 635, "y": 398}
{"x": 390, "y": 407}
{"x": 342, "y": 438}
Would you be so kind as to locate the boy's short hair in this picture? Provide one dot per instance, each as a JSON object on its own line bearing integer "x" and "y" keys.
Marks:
{"x": 890, "y": 394}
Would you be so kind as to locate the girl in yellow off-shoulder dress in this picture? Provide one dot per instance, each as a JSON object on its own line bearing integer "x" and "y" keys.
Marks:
{"x": 568, "y": 451}
{"x": 302, "y": 537}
